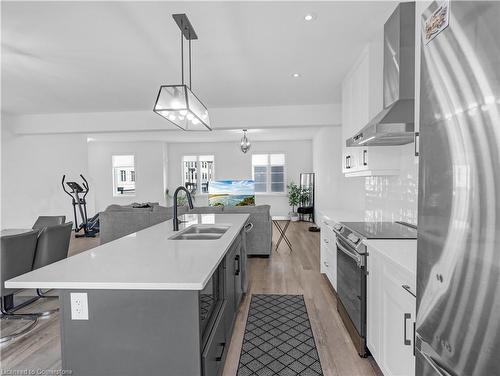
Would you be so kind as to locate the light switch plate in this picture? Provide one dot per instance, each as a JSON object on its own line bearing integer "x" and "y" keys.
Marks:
{"x": 79, "y": 306}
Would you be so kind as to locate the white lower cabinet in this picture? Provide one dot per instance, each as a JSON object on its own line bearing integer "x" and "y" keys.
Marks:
{"x": 328, "y": 254}
{"x": 390, "y": 315}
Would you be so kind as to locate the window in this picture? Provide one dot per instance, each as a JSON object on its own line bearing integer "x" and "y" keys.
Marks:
{"x": 268, "y": 171}
{"x": 197, "y": 172}
{"x": 123, "y": 175}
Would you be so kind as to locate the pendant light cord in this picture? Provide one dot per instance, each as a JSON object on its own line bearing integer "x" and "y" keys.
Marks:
{"x": 182, "y": 58}
{"x": 190, "y": 87}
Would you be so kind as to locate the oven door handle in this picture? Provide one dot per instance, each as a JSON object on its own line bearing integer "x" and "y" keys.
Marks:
{"x": 358, "y": 260}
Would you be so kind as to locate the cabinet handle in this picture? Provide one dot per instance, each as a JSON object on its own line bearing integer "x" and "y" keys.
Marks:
{"x": 248, "y": 227}
{"x": 326, "y": 264}
{"x": 326, "y": 241}
{"x": 222, "y": 346}
{"x": 347, "y": 161}
{"x": 407, "y": 342}
{"x": 365, "y": 155}
{"x": 237, "y": 261}
{"x": 417, "y": 143}
{"x": 414, "y": 334}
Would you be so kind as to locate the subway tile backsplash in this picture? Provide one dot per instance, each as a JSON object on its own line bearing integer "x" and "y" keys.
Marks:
{"x": 394, "y": 198}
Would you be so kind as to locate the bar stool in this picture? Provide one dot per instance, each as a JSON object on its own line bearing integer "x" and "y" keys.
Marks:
{"x": 16, "y": 258}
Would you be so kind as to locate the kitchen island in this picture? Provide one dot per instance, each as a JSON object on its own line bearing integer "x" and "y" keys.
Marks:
{"x": 149, "y": 304}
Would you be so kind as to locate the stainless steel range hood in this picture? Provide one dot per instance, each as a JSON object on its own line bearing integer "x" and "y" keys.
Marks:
{"x": 394, "y": 124}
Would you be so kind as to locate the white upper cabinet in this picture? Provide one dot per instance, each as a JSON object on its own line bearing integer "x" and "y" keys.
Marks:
{"x": 354, "y": 108}
{"x": 362, "y": 99}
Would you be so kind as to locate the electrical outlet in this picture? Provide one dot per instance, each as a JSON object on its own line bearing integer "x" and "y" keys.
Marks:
{"x": 79, "y": 306}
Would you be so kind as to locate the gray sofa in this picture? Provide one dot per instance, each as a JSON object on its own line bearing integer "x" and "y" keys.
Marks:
{"x": 117, "y": 221}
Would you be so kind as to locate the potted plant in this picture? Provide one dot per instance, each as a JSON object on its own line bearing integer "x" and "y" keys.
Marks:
{"x": 294, "y": 197}
{"x": 305, "y": 196}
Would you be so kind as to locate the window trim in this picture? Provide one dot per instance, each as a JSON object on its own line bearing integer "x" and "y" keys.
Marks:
{"x": 198, "y": 189}
{"x": 268, "y": 191}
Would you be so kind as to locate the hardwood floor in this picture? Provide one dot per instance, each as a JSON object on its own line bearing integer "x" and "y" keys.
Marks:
{"x": 297, "y": 272}
{"x": 284, "y": 272}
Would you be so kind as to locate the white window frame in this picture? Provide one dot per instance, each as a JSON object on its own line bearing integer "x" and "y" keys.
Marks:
{"x": 198, "y": 166}
{"x": 115, "y": 182}
{"x": 268, "y": 191}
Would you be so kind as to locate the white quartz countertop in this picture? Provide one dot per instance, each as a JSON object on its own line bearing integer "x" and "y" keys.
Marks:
{"x": 401, "y": 251}
{"x": 145, "y": 260}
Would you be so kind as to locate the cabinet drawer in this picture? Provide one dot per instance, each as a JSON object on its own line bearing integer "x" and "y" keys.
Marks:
{"x": 327, "y": 235}
{"x": 328, "y": 254}
{"x": 331, "y": 270}
{"x": 215, "y": 349}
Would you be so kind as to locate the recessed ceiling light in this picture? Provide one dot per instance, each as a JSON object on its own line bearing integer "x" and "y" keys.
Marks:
{"x": 309, "y": 17}
{"x": 295, "y": 75}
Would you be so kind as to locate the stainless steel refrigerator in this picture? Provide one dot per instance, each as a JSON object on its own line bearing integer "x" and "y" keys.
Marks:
{"x": 458, "y": 262}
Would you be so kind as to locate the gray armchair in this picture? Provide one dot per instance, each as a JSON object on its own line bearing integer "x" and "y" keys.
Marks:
{"x": 16, "y": 258}
{"x": 46, "y": 220}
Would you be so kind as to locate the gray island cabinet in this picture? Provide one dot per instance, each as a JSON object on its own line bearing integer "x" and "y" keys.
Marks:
{"x": 176, "y": 323}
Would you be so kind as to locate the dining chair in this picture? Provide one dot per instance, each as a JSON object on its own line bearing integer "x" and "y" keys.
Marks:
{"x": 52, "y": 246}
{"x": 16, "y": 258}
{"x": 48, "y": 220}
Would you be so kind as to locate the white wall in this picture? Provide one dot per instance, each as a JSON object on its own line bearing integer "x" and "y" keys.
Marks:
{"x": 32, "y": 168}
{"x": 231, "y": 163}
{"x": 333, "y": 190}
{"x": 150, "y": 164}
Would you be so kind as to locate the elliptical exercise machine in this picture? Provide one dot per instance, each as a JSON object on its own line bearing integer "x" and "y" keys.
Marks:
{"x": 90, "y": 226}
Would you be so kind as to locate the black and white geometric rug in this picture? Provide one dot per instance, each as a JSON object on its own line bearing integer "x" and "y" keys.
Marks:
{"x": 278, "y": 338}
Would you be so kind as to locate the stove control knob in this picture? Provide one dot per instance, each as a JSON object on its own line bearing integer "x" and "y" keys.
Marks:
{"x": 353, "y": 238}
{"x": 337, "y": 226}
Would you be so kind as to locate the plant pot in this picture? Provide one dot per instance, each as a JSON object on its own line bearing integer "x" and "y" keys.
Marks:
{"x": 294, "y": 217}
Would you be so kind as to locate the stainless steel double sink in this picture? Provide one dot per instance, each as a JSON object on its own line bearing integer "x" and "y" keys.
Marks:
{"x": 201, "y": 232}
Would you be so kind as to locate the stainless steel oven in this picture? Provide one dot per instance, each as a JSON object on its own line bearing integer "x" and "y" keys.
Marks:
{"x": 352, "y": 261}
{"x": 351, "y": 292}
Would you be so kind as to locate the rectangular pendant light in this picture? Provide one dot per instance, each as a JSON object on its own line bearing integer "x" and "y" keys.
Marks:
{"x": 177, "y": 103}
{"x": 180, "y": 106}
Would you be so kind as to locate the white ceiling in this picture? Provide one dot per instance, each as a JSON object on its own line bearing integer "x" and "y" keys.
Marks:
{"x": 113, "y": 56}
